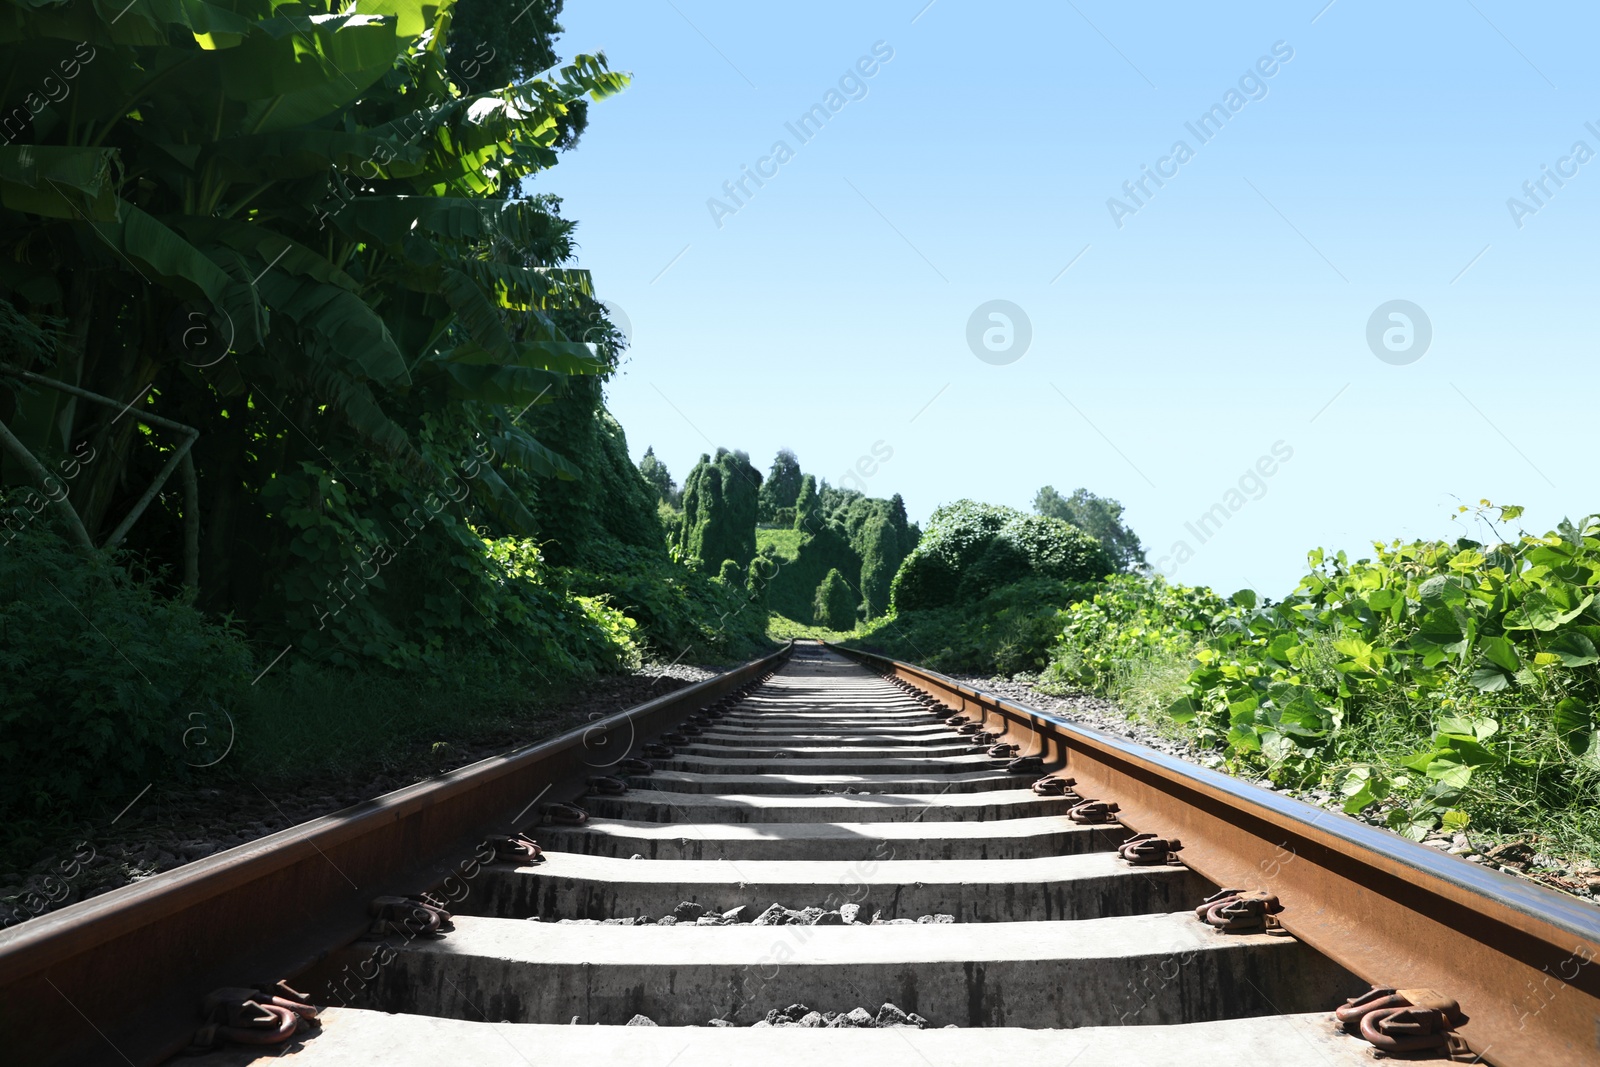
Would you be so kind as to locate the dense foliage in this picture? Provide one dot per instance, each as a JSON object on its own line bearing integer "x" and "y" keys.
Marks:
{"x": 1099, "y": 517}
{"x": 834, "y": 605}
{"x": 1441, "y": 680}
{"x": 970, "y": 549}
{"x": 660, "y": 479}
{"x": 781, "y": 488}
{"x": 294, "y": 357}
{"x": 719, "y": 510}
{"x": 330, "y": 280}
{"x": 1011, "y": 630}
{"x": 93, "y": 707}
{"x": 863, "y": 538}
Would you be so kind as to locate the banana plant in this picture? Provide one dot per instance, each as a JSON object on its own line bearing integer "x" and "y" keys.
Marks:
{"x": 284, "y": 213}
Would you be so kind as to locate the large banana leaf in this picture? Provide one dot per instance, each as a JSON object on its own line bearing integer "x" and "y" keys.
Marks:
{"x": 59, "y": 181}
{"x": 319, "y": 297}
{"x": 563, "y": 357}
{"x": 124, "y": 22}
{"x": 500, "y": 500}
{"x": 520, "y": 450}
{"x": 477, "y": 314}
{"x": 161, "y": 255}
{"x": 300, "y": 69}
{"x": 511, "y": 386}
{"x": 390, "y": 219}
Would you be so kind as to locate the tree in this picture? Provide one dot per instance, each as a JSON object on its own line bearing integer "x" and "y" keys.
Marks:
{"x": 880, "y": 558}
{"x": 655, "y": 472}
{"x": 332, "y": 291}
{"x": 972, "y": 549}
{"x": 782, "y": 486}
{"x": 806, "y": 505}
{"x": 835, "y": 605}
{"x": 1100, "y": 517}
{"x": 493, "y": 44}
{"x": 719, "y": 510}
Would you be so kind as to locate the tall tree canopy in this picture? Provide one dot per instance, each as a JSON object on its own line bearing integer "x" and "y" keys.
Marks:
{"x": 1098, "y": 516}
{"x": 719, "y": 510}
{"x": 655, "y": 472}
{"x": 782, "y": 485}
{"x": 287, "y": 241}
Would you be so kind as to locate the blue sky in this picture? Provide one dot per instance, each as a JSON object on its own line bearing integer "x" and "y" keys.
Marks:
{"x": 828, "y": 309}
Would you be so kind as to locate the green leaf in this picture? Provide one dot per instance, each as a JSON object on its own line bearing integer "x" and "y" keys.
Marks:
{"x": 1183, "y": 709}
{"x": 1500, "y": 652}
{"x": 1573, "y": 649}
{"x": 298, "y": 69}
{"x": 1362, "y": 786}
{"x": 1278, "y": 747}
{"x": 1489, "y": 679}
{"x": 1413, "y": 824}
{"x": 1420, "y": 761}
{"x": 1443, "y": 590}
{"x": 1575, "y": 724}
{"x": 57, "y": 181}
{"x": 160, "y": 253}
{"x": 1279, "y": 647}
{"x": 1244, "y": 738}
{"x": 1363, "y": 657}
{"x": 1547, "y": 610}
{"x": 1244, "y": 598}
{"x": 1454, "y": 821}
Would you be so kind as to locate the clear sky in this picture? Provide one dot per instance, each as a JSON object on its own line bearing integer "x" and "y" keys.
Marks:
{"x": 1366, "y": 155}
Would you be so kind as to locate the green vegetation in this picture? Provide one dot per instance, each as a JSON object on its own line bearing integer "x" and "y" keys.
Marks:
{"x": 781, "y": 488}
{"x": 970, "y": 550}
{"x": 1099, "y": 517}
{"x": 339, "y": 413}
{"x": 719, "y": 510}
{"x": 983, "y": 590}
{"x": 783, "y": 544}
{"x": 834, "y": 606}
{"x": 1009, "y": 631}
{"x": 660, "y": 480}
{"x": 1444, "y": 682}
{"x": 783, "y": 629}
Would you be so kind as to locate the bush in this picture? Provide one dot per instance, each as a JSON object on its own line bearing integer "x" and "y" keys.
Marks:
{"x": 102, "y": 675}
{"x": 1011, "y": 630}
{"x": 971, "y": 549}
{"x": 719, "y": 509}
{"x": 1441, "y": 682}
{"x": 792, "y": 583}
{"x": 835, "y": 605}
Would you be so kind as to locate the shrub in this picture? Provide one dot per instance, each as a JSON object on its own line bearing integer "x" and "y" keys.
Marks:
{"x": 972, "y": 549}
{"x": 835, "y": 605}
{"x": 719, "y": 509}
{"x": 1444, "y": 682}
{"x": 101, "y": 675}
{"x": 793, "y": 583}
{"x": 1010, "y": 630}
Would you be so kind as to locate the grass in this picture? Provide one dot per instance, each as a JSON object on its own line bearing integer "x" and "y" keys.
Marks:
{"x": 782, "y": 629}
{"x": 786, "y": 542}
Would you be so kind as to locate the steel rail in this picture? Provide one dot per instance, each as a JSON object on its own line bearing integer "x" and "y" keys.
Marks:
{"x": 118, "y": 977}
{"x": 1522, "y": 960}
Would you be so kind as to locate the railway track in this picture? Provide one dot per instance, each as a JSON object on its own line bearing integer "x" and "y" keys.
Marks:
{"x": 918, "y": 872}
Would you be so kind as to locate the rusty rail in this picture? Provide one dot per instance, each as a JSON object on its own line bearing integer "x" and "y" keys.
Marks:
{"x": 117, "y": 978}
{"x": 1522, "y": 960}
